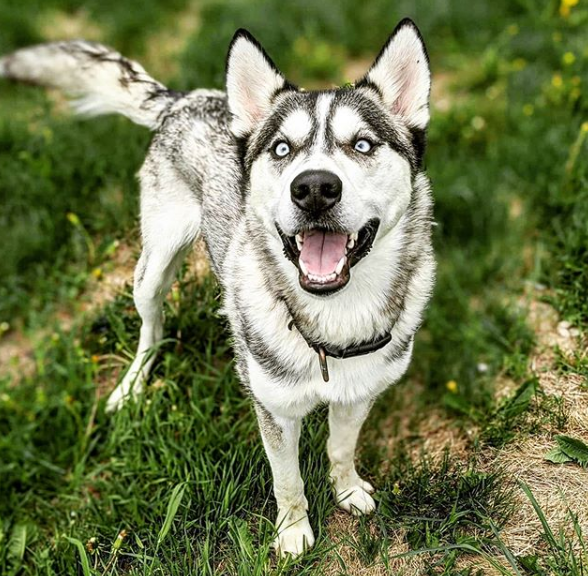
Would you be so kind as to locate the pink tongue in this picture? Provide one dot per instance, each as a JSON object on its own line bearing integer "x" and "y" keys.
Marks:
{"x": 321, "y": 251}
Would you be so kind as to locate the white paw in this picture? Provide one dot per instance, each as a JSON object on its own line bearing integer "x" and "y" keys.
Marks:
{"x": 294, "y": 537}
{"x": 356, "y": 499}
{"x": 127, "y": 389}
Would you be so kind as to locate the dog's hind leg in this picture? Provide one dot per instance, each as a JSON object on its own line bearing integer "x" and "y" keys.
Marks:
{"x": 345, "y": 422}
{"x": 169, "y": 231}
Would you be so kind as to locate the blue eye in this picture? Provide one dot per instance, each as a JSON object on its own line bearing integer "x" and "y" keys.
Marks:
{"x": 281, "y": 149}
{"x": 363, "y": 146}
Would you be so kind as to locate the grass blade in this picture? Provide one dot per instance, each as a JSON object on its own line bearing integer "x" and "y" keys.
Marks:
{"x": 504, "y": 549}
{"x": 172, "y": 509}
{"x": 548, "y": 532}
{"x": 83, "y": 556}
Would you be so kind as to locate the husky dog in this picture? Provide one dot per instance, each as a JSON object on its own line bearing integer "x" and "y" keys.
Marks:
{"x": 317, "y": 219}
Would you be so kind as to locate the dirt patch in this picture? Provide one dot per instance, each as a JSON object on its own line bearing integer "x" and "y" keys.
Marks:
{"x": 106, "y": 282}
{"x": 17, "y": 359}
{"x": 166, "y": 45}
{"x": 56, "y": 25}
{"x": 431, "y": 432}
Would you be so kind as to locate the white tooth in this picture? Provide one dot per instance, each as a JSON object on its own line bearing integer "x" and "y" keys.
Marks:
{"x": 303, "y": 267}
{"x": 299, "y": 241}
{"x": 340, "y": 265}
{"x": 351, "y": 243}
{"x": 353, "y": 236}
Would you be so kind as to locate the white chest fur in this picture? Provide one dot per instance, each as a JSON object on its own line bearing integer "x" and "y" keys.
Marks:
{"x": 353, "y": 316}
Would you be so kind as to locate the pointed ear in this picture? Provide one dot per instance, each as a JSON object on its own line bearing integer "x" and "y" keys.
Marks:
{"x": 252, "y": 82}
{"x": 402, "y": 75}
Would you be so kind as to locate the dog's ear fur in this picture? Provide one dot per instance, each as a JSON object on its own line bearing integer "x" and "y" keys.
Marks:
{"x": 252, "y": 80}
{"x": 402, "y": 76}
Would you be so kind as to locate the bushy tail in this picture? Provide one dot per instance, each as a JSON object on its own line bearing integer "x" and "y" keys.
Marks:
{"x": 101, "y": 80}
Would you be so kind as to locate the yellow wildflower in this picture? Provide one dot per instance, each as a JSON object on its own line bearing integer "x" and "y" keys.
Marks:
{"x": 568, "y": 58}
{"x": 73, "y": 218}
{"x": 451, "y": 386}
{"x": 557, "y": 81}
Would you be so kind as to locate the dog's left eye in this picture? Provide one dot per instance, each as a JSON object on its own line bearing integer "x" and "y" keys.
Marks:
{"x": 281, "y": 149}
{"x": 363, "y": 146}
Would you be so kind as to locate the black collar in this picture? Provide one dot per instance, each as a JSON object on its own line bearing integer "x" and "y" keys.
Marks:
{"x": 323, "y": 350}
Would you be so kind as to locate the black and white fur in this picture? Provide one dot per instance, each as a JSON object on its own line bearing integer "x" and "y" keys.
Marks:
{"x": 213, "y": 169}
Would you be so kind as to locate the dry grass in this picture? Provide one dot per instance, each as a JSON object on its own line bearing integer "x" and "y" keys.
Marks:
{"x": 431, "y": 432}
{"x": 557, "y": 488}
{"x": 342, "y": 530}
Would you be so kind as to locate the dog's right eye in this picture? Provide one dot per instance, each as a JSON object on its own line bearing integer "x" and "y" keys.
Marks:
{"x": 281, "y": 149}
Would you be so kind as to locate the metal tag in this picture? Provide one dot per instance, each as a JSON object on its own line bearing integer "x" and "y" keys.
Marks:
{"x": 323, "y": 363}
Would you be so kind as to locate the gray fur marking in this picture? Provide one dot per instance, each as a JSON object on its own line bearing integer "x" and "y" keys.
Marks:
{"x": 269, "y": 428}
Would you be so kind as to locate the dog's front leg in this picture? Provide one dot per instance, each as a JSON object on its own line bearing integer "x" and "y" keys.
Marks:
{"x": 280, "y": 438}
{"x": 345, "y": 422}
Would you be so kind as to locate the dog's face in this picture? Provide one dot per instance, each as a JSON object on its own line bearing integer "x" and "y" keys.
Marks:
{"x": 330, "y": 172}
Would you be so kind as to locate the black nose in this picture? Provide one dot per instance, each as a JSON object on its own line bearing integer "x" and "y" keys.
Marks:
{"x": 316, "y": 191}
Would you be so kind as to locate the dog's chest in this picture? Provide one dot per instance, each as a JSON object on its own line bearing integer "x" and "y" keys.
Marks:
{"x": 351, "y": 380}
{"x": 283, "y": 372}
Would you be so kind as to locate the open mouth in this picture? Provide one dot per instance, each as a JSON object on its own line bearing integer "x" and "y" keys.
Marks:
{"x": 324, "y": 258}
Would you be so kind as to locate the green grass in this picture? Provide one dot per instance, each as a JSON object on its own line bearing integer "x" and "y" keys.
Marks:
{"x": 178, "y": 483}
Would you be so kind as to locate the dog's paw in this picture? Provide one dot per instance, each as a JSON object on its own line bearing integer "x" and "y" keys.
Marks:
{"x": 356, "y": 499}
{"x": 125, "y": 391}
{"x": 115, "y": 401}
{"x": 294, "y": 535}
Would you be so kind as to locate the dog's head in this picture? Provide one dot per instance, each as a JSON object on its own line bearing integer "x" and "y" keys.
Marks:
{"x": 330, "y": 172}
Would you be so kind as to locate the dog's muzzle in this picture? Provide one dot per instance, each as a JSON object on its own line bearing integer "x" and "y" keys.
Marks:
{"x": 324, "y": 258}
